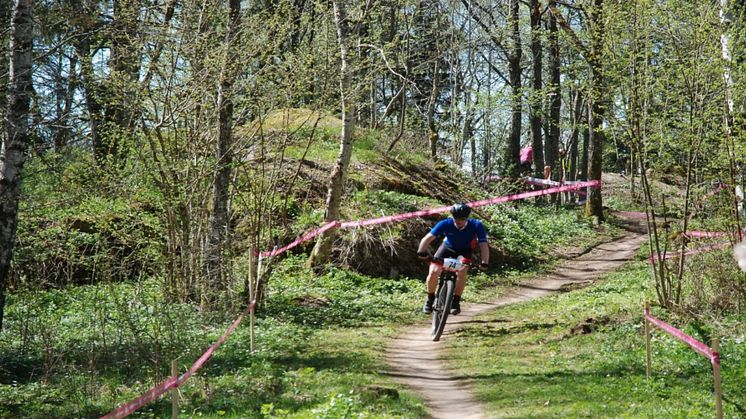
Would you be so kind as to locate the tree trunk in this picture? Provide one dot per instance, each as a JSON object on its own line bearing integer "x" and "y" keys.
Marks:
{"x": 537, "y": 141}
{"x": 92, "y": 95}
{"x": 322, "y": 250}
{"x": 725, "y": 48}
{"x": 431, "y": 104}
{"x": 513, "y": 150}
{"x": 577, "y": 121}
{"x": 555, "y": 99}
{"x": 594, "y": 205}
{"x": 16, "y": 142}
{"x": 64, "y": 91}
{"x": 120, "y": 88}
{"x": 218, "y": 224}
{"x": 5, "y": 11}
{"x": 585, "y": 132}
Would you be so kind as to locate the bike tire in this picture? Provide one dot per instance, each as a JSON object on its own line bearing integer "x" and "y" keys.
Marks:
{"x": 442, "y": 307}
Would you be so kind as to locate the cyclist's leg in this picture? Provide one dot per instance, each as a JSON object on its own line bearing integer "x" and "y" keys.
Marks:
{"x": 432, "y": 277}
{"x": 461, "y": 282}
{"x": 461, "y": 278}
{"x": 436, "y": 269}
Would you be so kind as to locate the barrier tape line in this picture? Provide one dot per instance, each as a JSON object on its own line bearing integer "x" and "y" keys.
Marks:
{"x": 705, "y": 234}
{"x": 433, "y": 211}
{"x": 147, "y": 397}
{"x": 308, "y": 236}
{"x": 174, "y": 382}
{"x": 547, "y": 182}
{"x": 702, "y": 249}
{"x": 696, "y": 345}
{"x": 423, "y": 213}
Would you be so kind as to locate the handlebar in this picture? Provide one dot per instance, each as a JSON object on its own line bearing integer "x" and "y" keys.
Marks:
{"x": 454, "y": 265}
{"x": 451, "y": 264}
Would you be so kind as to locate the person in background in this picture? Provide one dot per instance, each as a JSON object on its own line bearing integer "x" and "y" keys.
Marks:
{"x": 461, "y": 236}
{"x": 526, "y": 160}
{"x": 739, "y": 253}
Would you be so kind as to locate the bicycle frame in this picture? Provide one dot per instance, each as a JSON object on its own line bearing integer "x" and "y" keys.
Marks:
{"x": 444, "y": 295}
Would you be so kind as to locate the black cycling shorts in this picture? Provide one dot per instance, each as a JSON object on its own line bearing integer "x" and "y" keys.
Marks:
{"x": 444, "y": 252}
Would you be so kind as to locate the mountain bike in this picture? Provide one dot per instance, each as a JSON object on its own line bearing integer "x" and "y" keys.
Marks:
{"x": 444, "y": 294}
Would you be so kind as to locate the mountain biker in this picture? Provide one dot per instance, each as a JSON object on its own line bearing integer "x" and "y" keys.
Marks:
{"x": 461, "y": 235}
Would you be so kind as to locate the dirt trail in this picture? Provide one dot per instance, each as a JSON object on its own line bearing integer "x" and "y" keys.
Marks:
{"x": 416, "y": 360}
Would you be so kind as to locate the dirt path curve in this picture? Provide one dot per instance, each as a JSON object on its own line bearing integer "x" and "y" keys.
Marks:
{"x": 416, "y": 361}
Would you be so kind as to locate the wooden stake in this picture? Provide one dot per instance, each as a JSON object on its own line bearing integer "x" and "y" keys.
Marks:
{"x": 647, "y": 341}
{"x": 251, "y": 327}
{"x": 716, "y": 379}
{"x": 252, "y": 303}
{"x": 175, "y": 390}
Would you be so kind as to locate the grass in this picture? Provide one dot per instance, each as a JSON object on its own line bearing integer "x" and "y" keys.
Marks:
{"x": 582, "y": 354}
{"x": 319, "y": 345}
{"x": 82, "y": 350}
{"x": 318, "y": 351}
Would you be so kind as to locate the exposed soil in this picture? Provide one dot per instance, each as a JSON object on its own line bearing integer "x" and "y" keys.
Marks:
{"x": 416, "y": 361}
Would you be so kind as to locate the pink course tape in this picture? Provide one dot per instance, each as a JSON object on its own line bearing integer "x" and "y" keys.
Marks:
{"x": 434, "y": 211}
{"x": 692, "y": 251}
{"x": 208, "y": 353}
{"x": 424, "y": 213}
{"x": 698, "y": 346}
{"x": 392, "y": 218}
{"x": 524, "y": 195}
{"x": 173, "y": 382}
{"x": 705, "y": 234}
{"x": 145, "y": 398}
{"x": 308, "y": 236}
{"x": 547, "y": 182}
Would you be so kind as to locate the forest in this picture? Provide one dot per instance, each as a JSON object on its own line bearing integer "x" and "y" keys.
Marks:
{"x": 155, "y": 152}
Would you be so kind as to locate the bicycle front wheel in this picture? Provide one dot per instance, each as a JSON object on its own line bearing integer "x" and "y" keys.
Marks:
{"x": 442, "y": 307}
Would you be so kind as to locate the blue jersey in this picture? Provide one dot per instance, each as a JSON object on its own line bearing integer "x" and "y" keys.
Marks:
{"x": 460, "y": 239}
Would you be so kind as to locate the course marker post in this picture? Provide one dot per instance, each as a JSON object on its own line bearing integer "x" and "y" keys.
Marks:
{"x": 712, "y": 354}
{"x": 252, "y": 299}
{"x": 647, "y": 343}
{"x": 716, "y": 378}
{"x": 175, "y": 390}
{"x": 251, "y": 326}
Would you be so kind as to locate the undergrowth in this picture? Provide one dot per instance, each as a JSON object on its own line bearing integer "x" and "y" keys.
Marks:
{"x": 318, "y": 340}
{"x": 582, "y": 354}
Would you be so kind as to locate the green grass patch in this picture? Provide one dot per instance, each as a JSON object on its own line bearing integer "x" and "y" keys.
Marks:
{"x": 582, "y": 354}
{"x": 318, "y": 350}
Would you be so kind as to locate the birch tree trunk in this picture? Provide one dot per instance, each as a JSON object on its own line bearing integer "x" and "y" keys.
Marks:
{"x": 726, "y": 20}
{"x": 5, "y": 15}
{"x": 218, "y": 224}
{"x": 537, "y": 141}
{"x": 431, "y": 104}
{"x": 594, "y": 205}
{"x": 16, "y": 142}
{"x": 322, "y": 250}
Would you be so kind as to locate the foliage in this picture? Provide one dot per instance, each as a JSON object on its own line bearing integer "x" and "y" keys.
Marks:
{"x": 527, "y": 232}
{"x": 583, "y": 354}
{"x": 316, "y": 339}
{"x": 70, "y": 232}
{"x": 117, "y": 193}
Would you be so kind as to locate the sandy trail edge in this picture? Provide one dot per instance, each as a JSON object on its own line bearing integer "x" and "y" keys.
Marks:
{"x": 416, "y": 361}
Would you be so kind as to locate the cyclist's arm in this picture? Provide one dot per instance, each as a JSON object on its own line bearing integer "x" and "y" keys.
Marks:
{"x": 425, "y": 243}
{"x": 484, "y": 252}
{"x": 484, "y": 248}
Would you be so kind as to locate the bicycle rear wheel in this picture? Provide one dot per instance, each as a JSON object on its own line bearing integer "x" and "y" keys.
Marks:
{"x": 442, "y": 307}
